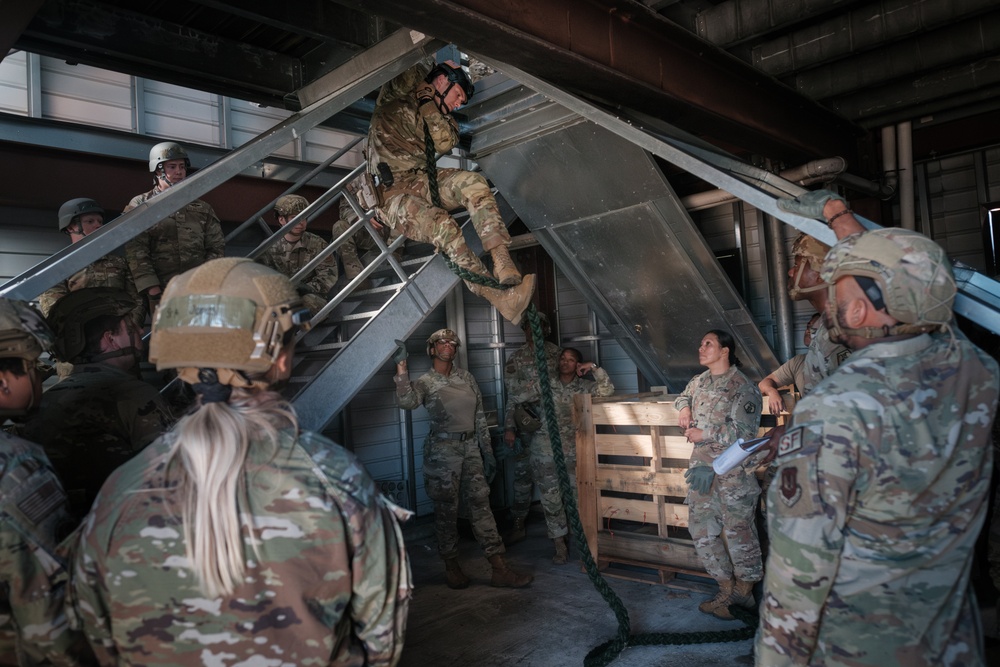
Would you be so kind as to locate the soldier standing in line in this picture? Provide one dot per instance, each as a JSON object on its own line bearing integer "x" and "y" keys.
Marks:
{"x": 184, "y": 239}
{"x": 361, "y": 241}
{"x": 411, "y": 124}
{"x": 883, "y": 472}
{"x": 102, "y": 414}
{"x": 458, "y": 456}
{"x": 33, "y": 626}
{"x": 79, "y": 218}
{"x": 524, "y": 405}
{"x": 237, "y": 538}
{"x": 715, "y": 409}
{"x": 297, "y": 248}
{"x": 571, "y": 382}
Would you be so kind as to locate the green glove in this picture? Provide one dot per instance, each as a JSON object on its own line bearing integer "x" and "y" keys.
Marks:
{"x": 810, "y": 205}
{"x": 401, "y": 354}
{"x": 489, "y": 465}
{"x": 700, "y": 478}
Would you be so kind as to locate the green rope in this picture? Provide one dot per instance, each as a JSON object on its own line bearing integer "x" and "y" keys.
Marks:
{"x": 607, "y": 652}
{"x": 432, "y": 172}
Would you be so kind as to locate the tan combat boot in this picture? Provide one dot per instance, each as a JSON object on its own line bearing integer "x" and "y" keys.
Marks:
{"x": 725, "y": 590}
{"x": 740, "y": 596}
{"x": 517, "y": 532}
{"x": 562, "y": 551}
{"x": 511, "y": 302}
{"x": 456, "y": 578}
{"x": 504, "y": 577}
{"x": 504, "y": 268}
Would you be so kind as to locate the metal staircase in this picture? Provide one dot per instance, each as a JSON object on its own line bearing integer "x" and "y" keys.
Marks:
{"x": 612, "y": 223}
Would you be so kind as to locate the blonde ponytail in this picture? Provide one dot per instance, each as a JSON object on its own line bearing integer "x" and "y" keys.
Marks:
{"x": 211, "y": 446}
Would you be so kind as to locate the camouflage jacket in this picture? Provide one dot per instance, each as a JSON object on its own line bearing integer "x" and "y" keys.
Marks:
{"x": 33, "y": 624}
{"x": 396, "y": 134}
{"x": 288, "y": 258}
{"x": 329, "y": 583}
{"x": 520, "y": 379}
{"x": 452, "y": 401}
{"x": 881, "y": 490}
{"x": 181, "y": 241}
{"x": 93, "y": 421}
{"x": 563, "y": 395}
{"x": 726, "y": 407}
{"x": 822, "y": 358}
{"x": 108, "y": 271}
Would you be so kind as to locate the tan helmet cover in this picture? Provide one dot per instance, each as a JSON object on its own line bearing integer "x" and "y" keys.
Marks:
{"x": 70, "y": 314}
{"x": 912, "y": 271}
{"x": 441, "y": 334}
{"x": 290, "y": 205}
{"x": 228, "y": 313}
{"x": 23, "y": 331}
{"x": 808, "y": 247}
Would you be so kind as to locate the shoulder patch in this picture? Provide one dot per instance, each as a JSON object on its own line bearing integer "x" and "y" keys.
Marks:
{"x": 790, "y": 442}
{"x": 750, "y": 408}
{"x": 790, "y": 490}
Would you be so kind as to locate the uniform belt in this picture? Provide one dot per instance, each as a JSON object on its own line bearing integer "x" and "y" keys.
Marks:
{"x": 461, "y": 436}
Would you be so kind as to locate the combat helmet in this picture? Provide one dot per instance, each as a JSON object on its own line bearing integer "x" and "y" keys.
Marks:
{"x": 71, "y": 314}
{"x": 74, "y": 208}
{"x": 229, "y": 315}
{"x": 901, "y": 271}
{"x": 442, "y": 334}
{"x": 24, "y": 335}
{"x": 290, "y": 205}
{"x": 456, "y": 77}
{"x": 807, "y": 247}
{"x": 23, "y": 331}
{"x": 165, "y": 151}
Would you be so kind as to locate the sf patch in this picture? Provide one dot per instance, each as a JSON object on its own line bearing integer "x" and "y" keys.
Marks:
{"x": 790, "y": 490}
{"x": 790, "y": 442}
{"x": 749, "y": 408}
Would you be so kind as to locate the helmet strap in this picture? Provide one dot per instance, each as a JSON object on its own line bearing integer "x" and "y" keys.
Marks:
{"x": 796, "y": 290}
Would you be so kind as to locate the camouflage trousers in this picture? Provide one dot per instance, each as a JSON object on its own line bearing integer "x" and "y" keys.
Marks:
{"x": 408, "y": 209}
{"x": 543, "y": 472}
{"x": 523, "y": 484}
{"x": 453, "y": 470}
{"x": 723, "y": 527}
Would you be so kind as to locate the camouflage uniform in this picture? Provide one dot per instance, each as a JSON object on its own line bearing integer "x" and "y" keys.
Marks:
{"x": 181, "y": 241}
{"x": 881, "y": 491}
{"x": 360, "y": 240}
{"x": 453, "y": 454}
{"x": 108, "y": 271}
{"x": 289, "y": 258}
{"x": 92, "y": 422}
{"x": 563, "y": 395}
{"x": 726, "y": 407}
{"x": 822, "y": 358}
{"x": 521, "y": 380}
{"x": 328, "y": 582}
{"x": 396, "y": 137}
{"x": 33, "y": 625}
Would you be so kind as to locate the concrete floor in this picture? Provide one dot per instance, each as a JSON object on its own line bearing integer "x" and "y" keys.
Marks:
{"x": 556, "y": 621}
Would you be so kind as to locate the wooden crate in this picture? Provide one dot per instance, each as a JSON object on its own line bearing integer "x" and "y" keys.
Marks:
{"x": 629, "y": 447}
{"x": 647, "y": 458}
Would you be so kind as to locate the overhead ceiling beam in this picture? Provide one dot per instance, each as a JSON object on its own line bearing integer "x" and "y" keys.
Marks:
{"x": 316, "y": 19}
{"x": 96, "y": 34}
{"x": 16, "y": 17}
{"x": 622, "y": 52}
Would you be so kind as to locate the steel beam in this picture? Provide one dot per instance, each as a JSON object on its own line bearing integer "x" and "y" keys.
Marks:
{"x": 16, "y": 17}
{"x": 623, "y": 52}
{"x": 379, "y": 64}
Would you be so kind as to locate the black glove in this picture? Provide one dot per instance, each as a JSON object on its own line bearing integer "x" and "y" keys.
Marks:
{"x": 401, "y": 354}
{"x": 700, "y": 478}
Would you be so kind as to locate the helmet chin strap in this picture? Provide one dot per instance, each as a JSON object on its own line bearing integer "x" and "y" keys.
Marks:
{"x": 839, "y": 334}
{"x": 796, "y": 290}
{"x": 442, "y": 107}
